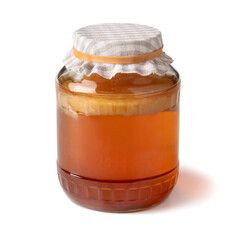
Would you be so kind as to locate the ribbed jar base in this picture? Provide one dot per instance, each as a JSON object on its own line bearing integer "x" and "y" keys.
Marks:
{"x": 117, "y": 196}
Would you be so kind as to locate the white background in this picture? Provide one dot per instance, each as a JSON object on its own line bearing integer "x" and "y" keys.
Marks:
{"x": 203, "y": 38}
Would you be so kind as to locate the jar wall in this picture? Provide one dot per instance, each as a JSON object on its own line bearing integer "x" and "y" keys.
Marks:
{"x": 118, "y": 139}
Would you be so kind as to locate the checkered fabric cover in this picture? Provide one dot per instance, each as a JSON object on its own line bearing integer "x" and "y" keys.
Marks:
{"x": 117, "y": 39}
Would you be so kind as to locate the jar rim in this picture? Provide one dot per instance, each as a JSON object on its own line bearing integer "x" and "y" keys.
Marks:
{"x": 64, "y": 69}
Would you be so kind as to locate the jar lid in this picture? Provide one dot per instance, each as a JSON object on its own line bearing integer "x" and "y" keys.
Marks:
{"x": 110, "y": 48}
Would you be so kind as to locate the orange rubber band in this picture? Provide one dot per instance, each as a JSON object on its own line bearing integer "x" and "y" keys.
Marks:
{"x": 116, "y": 59}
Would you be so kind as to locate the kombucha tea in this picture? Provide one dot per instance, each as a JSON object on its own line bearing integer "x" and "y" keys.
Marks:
{"x": 118, "y": 139}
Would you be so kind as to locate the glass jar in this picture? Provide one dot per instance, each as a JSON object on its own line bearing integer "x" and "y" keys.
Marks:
{"x": 118, "y": 114}
{"x": 118, "y": 139}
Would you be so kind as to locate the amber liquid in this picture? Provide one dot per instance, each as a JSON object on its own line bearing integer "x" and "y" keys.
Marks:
{"x": 119, "y": 162}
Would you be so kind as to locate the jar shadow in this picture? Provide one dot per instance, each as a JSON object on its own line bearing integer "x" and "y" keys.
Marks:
{"x": 192, "y": 186}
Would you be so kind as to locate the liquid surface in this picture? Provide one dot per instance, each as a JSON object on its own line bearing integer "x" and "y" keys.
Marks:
{"x": 140, "y": 96}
